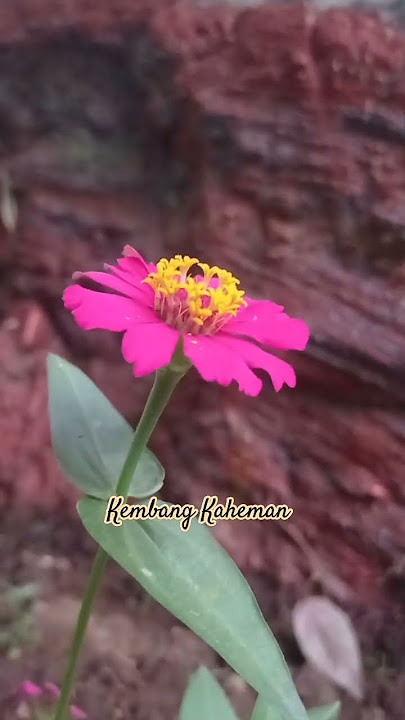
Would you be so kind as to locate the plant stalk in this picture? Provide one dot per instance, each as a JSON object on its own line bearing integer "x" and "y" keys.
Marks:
{"x": 163, "y": 386}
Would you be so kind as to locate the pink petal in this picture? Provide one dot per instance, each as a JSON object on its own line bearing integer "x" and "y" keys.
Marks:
{"x": 217, "y": 363}
{"x": 149, "y": 346}
{"x": 77, "y": 713}
{"x": 224, "y": 358}
{"x": 130, "y": 270}
{"x": 104, "y": 311}
{"x": 254, "y": 305}
{"x": 132, "y": 267}
{"x": 135, "y": 281}
{"x": 52, "y": 689}
{"x": 265, "y": 322}
{"x": 139, "y": 292}
{"x": 126, "y": 277}
{"x": 130, "y": 252}
{"x": 31, "y": 689}
{"x": 280, "y": 371}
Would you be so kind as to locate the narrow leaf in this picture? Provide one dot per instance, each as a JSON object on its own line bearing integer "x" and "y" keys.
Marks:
{"x": 204, "y": 699}
{"x": 264, "y": 711}
{"x": 90, "y": 437}
{"x": 326, "y": 712}
{"x": 192, "y": 576}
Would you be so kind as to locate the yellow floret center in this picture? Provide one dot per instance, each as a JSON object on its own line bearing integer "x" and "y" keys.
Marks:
{"x": 199, "y": 302}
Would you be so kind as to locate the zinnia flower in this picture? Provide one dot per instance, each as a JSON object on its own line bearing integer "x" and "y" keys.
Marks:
{"x": 182, "y": 299}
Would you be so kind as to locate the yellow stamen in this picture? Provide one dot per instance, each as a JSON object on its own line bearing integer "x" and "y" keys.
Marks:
{"x": 198, "y": 304}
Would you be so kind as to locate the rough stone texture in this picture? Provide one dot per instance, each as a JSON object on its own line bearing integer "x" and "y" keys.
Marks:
{"x": 270, "y": 141}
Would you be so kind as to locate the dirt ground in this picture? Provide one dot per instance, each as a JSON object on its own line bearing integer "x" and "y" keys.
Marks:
{"x": 137, "y": 658}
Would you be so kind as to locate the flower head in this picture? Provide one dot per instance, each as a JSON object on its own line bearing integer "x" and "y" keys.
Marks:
{"x": 194, "y": 303}
{"x": 203, "y": 307}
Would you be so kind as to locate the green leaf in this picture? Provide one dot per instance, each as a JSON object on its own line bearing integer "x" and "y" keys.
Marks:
{"x": 204, "y": 699}
{"x": 192, "y": 576}
{"x": 90, "y": 437}
{"x": 326, "y": 712}
{"x": 264, "y": 711}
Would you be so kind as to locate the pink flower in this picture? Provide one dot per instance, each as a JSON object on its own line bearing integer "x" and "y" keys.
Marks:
{"x": 30, "y": 689}
{"x": 49, "y": 689}
{"x": 52, "y": 689}
{"x": 77, "y": 713}
{"x": 221, "y": 329}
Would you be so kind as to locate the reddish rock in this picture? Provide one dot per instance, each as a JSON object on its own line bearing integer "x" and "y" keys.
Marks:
{"x": 270, "y": 141}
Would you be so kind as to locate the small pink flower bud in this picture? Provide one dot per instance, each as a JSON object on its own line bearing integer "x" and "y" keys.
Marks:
{"x": 52, "y": 689}
{"x": 31, "y": 689}
{"x": 77, "y": 713}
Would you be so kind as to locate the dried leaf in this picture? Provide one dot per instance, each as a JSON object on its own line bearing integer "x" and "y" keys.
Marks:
{"x": 8, "y": 205}
{"x": 327, "y": 639}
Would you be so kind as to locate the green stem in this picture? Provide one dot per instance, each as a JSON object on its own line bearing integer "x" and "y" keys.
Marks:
{"x": 96, "y": 575}
{"x": 165, "y": 382}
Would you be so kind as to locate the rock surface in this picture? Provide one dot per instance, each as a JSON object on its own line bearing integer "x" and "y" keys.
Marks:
{"x": 270, "y": 141}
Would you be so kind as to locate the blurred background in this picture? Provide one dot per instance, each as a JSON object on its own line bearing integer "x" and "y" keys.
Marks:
{"x": 268, "y": 139}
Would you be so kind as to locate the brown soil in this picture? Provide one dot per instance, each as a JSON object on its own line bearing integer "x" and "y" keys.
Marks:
{"x": 137, "y": 658}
